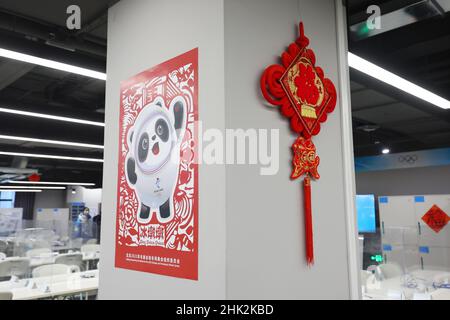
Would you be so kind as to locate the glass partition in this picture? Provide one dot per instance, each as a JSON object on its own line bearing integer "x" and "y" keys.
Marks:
{"x": 411, "y": 259}
{"x": 42, "y": 258}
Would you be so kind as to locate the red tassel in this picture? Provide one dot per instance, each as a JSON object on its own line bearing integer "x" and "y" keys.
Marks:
{"x": 309, "y": 245}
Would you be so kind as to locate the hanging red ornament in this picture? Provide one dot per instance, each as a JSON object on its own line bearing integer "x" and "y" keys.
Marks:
{"x": 34, "y": 177}
{"x": 305, "y": 97}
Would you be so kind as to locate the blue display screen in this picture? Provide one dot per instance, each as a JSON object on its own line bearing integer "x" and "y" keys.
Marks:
{"x": 365, "y": 208}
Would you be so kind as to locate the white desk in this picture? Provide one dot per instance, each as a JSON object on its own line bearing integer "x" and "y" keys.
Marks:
{"x": 58, "y": 285}
{"x": 394, "y": 288}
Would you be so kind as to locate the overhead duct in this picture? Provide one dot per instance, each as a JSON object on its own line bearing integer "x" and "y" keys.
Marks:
{"x": 7, "y": 174}
{"x": 36, "y": 31}
{"x": 17, "y": 171}
{"x": 416, "y": 12}
{"x": 19, "y": 162}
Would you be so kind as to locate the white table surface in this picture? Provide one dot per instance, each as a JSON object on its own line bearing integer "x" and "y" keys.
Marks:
{"x": 391, "y": 288}
{"x": 58, "y": 285}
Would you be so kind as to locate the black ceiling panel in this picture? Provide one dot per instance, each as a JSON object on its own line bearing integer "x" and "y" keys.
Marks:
{"x": 39, "y": 28}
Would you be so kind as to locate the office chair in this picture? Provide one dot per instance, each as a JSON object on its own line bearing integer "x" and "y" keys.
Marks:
{"x": 36, "y": 253}
{"x": 3, "y": 246}
{"x": 70, "y": 259}
{"x": 364, "y": 276}
{"x": 91, "y": 241}
{"x": 14, "y": 267}
{"x": 390, "y": 270}
{"x": 50, "y": 270}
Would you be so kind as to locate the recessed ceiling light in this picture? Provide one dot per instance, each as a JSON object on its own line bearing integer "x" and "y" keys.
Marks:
{"x": 385, "y": 151}
{"x": 63, "y": 143}
{"x": 51, "y": 64}
{"x": 368, "y": 127}
{"x": 51, "y": 117}
{"x": 30, "y": 187}
{"x": 54, "y": 183}
{"x": 381, "y": 74}
{"x": 48, "y": 156}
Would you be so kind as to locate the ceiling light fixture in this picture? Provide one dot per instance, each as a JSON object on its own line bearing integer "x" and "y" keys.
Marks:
{"x": 30, "y": 187}
{"x": 385, "y": 151}
{"x": 52, "y": 64}
{"x": 51, "y": 117}
{"x": 368, "y": 128}
{"x": 381, "y": 74}
{"x": 22, "y": 190}
{"x": 63, "y": 143}
{"x": 48, "y": 156}
{"x": 54, "y": 183}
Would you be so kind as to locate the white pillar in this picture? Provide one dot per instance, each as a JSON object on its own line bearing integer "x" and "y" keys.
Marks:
{"x": 250, "y": 226}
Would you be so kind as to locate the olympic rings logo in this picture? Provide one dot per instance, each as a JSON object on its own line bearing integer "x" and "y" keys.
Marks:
{"x": 410, "y": 159}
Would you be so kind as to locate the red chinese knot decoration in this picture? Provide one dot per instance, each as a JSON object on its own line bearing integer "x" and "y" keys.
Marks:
{"x": 303, "y": 94}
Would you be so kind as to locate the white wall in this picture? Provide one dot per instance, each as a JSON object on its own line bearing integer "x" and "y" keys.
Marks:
{"x": 427, "y": 180}
{"x": 61, "y": 198}
{"x": 142, "y": 34}
{"x": 50, "y": 199}
{"x": 265, "y": 238}
{"x": 90, "y": 197}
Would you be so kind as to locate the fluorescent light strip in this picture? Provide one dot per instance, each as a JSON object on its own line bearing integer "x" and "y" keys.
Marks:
{"x": 21, "y": 190}
{"x": 48, "y": 156}
{"x": 52, "y": 64}
{"x": 51, "y": 117}
{"x": 54, "y": 183}
{"x": 62, "y": 143}
{"x": 381, "y": 74}
{"x": 30, "y": 187}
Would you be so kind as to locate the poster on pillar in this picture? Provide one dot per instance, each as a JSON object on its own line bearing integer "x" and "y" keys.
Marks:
{"x": 157, "y": 192}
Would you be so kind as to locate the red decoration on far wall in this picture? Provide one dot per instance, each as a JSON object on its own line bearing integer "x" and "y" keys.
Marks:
{"x": 436, "y": 218}
{"x": 34, "y": 177}
{"x": 305, "y": 97}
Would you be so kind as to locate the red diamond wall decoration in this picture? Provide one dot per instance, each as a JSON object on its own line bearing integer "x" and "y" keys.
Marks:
{"x": 436, "y": 218}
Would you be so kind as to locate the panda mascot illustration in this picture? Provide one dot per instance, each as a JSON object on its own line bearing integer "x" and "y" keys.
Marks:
{"x": 153, "y": 158}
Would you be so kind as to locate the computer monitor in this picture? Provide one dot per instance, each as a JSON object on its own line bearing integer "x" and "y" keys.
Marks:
{"x": 365, "y": 208}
